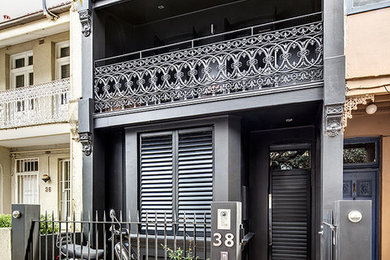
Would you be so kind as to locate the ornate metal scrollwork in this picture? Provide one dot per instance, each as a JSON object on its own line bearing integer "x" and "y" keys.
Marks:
{"x": 86, "y": 142}
{"x": 85, "y": 19}
{"x": 266, "y": 60}
{"x": 351, "y": 103}
{"x": 333, "y": 119}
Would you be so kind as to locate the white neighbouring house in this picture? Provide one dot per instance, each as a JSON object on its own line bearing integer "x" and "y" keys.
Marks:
{"x": 40, "y": 84}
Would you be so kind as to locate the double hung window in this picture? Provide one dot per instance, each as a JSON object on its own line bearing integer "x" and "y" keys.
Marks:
{"x": 63, "y": 67}
{"x": 176, "y": 174}
{"x": 22, "y": 74}
{"x": 62, "y": 60}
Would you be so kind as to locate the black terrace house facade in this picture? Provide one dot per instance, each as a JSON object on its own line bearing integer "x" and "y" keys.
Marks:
{"x": 188, "y": 102}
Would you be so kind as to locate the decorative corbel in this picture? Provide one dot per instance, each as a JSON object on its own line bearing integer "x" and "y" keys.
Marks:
{"x": 86, "y": 142}
{"x": 333, "y": 119}
{"x": 351, "y": 103}
{"x": 85, "y": 19}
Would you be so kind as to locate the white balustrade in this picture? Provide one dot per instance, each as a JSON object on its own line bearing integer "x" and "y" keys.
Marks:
{"x": 35, "y": 105}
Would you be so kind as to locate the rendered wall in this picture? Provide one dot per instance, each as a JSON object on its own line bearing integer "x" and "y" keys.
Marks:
{"x": 363, "y": 125}
{"x": 5, "y": 181}
{"x": 43, "y": 53}
{"x": 5, "y": 243}
{"x": 48, "y": 164}
{"x": 367, "y": 51}
{"x": 76, "y": 75}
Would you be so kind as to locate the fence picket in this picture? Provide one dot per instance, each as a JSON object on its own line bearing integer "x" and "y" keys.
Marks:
{"x": 150, "y": 238}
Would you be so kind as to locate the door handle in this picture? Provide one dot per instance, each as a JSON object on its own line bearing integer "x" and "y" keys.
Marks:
{"x": 332, "y": 228}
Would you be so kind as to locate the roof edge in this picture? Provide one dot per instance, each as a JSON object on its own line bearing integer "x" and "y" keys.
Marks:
{"x": 34, "y": 16}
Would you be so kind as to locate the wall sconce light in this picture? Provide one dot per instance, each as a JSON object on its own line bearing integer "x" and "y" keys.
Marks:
{"x": 45, "y": 178}
{"x": 371, "y": 109}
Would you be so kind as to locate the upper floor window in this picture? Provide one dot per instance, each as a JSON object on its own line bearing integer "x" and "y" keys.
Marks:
{"x": 62, "y": 60}
{"x": 21, "y": 71}
{"x": 358, "y": 6}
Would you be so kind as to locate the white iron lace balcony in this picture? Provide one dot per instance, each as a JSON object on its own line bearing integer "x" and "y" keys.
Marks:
{"x": 262, "y": 60}
{"x": 35, "y": 105}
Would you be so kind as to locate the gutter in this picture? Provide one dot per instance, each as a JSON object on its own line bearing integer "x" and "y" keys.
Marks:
{"x": 34, "y": 16}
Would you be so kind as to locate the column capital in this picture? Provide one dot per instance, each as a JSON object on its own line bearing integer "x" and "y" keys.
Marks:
{"x": 85, "y": 19}
{"x": 86, "y": 141}
{"x": 333, "y": 119}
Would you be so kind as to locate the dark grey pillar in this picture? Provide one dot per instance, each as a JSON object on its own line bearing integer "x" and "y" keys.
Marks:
{"x": 334, "y": 96}
{"x": 24, "y": 237}
{"x": 226, "y": 220}
{"x": 227, "y": 184}
{"x": 86, "y": 103}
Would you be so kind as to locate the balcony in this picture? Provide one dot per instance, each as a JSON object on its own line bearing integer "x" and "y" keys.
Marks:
{"x": 35, "y": 105}
{"x": 260, "y": 60}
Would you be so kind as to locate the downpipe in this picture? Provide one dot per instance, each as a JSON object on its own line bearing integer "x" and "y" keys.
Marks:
{"x": 50, "y": 15}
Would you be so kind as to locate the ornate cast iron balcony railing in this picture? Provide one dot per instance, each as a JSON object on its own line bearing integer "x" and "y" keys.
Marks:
{"x": 34, "y": 105}
{"x": 270, "y": 59}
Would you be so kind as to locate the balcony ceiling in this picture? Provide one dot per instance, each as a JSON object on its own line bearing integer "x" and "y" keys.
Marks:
{"x": 48, "y": 134}
{"x": 139, "y": 12}
{"x": 275, "y": 117}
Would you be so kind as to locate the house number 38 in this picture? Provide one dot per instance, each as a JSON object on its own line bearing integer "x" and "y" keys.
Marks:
{"x": 229, "y": 240}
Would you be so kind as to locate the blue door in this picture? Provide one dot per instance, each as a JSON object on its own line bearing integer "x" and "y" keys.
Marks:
{"x": 361, "y": 178}
{"x": 362, "y": 184}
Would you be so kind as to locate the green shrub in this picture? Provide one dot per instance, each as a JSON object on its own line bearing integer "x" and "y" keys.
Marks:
{"x": 47, "y": 227}
{"x": 5, "y": 221}
{"x": 180, "y": 254}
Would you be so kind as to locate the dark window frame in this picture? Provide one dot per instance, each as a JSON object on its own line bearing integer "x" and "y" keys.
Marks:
{"x": 363, "y": 140}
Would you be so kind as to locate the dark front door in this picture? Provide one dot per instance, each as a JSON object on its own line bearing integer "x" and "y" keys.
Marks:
{"x": 281, "y": 195}
{"x": 361, "y": 178}
{"x": 362, "y": 184}
{"x": 290, "y": 195}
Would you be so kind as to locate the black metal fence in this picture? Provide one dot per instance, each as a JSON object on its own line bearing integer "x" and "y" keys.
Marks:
{"x": 107, "y": 235}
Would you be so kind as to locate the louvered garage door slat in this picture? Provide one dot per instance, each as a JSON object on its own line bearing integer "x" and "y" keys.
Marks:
{"x": 195, "y": 173}
{"x": 156, "y": 176}
{"x": 290, "y": 214}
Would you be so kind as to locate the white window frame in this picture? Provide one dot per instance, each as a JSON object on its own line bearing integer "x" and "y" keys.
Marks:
{"x": 61, "y": 61}
{"x": 25, "y": 173}
{"x": 62, "y": 189}
{"x": 350, "y": 9}
{"x": 26, "y": 70}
